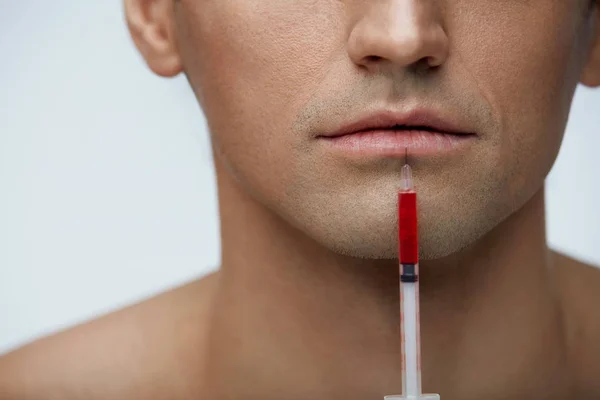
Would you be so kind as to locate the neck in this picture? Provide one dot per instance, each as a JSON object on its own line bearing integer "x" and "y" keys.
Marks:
{"x": 295, "y": 320}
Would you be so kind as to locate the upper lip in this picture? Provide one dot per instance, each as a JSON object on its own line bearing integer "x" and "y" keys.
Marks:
{"x": 415, "y": 119}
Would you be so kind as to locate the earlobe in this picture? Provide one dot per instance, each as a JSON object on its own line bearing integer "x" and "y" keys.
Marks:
{"x": 152, "y": 28}
{"x": 591, "y": 73}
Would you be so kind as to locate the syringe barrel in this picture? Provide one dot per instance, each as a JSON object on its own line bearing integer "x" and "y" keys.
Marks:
{"x": 408, "y": 242}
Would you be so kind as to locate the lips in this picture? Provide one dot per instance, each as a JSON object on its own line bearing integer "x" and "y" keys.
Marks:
{"x": 388, "y": 134}
{"x": 417, "y": 120}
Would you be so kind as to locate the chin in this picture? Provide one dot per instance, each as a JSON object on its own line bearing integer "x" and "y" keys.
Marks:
{"x": 366, "y": 247}
{"x": 435, "y": 242}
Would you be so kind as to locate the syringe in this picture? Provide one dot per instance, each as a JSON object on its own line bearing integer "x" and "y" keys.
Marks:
{"x": 408, "y": 256}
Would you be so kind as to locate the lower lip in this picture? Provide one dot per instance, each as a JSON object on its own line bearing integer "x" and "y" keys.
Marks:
{"x": 394, "y": 143}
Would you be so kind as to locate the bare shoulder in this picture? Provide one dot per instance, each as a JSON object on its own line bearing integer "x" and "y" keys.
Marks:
{"x": 151, "y": 350}
{"x": 579, "y": 284}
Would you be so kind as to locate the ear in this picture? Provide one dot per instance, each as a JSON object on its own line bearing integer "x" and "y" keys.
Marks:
{"x": 152, "y": 27}
{"x": 591, "y": 73}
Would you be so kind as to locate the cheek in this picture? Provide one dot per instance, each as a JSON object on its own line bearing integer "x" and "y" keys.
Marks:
{"x": 525, "y": 61}
{"x": 253, "y": 65}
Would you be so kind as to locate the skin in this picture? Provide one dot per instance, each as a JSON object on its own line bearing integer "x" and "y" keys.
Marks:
{"x": 305, "y": 304}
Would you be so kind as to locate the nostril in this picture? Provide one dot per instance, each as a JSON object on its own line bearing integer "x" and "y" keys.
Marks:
{"x": 371, "y": 59}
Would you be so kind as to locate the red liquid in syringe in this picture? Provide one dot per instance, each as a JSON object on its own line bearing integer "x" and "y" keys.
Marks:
{"x": 408, "y": 244}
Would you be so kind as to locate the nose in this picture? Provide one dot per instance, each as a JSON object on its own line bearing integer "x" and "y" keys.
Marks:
{"x": 399, "y": 34}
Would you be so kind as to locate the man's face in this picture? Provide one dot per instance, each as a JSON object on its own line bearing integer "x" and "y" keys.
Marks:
{"x": 274, "y": 75}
